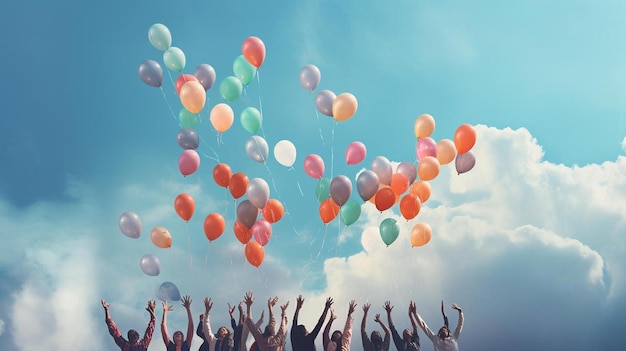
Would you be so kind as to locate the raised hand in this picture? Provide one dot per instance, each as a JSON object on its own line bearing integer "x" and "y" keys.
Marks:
{"x": 388, "y": 306}
{"x": 104, "y": 304}
{"x": 329, "y": 302}
{"x": 231, "y": 310}
{"x": 456, "y": 307}
{"x": 366, "y": 307}
{"x": 248, "y": 298}
{"x": 167, "y": 307}
{"x": 377, "y": 318}
{"x": 186, "y": 301}
{"x": 283, "y": 308}
{"x": 299, "y": 302}
{"x": 412, "y": 307}
{"x": 240, "y": 306}
{"x": 151, "y": 306}
{"x": 333, "y": 316}
{"x": 271, "y": 302}
{"x": 351, "y": 308}
{"x": 208, "y": 304}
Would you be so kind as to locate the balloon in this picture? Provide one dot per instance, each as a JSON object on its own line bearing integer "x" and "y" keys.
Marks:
{"x": 243, "y": 70}
{"x": 382, "y": 167}
{"x": 188, "y": 162}
{"x": 350, "y": 211}
{"x": 161, "y": 237}
{"x": 410, "y": 206}
{"x": 222, "y": 174}
{"x": 262, "y": 231}
{"x": 310, "y": 77}
{"x": 188, "y": 139}
{"x": 159, "y": 36}
{"x": 424, "y": 126}
{"x": 192, "y": 96}
{"x": 251, "y": 119}
{"x": 322, "y": 189}
{"x": 230, "y": 88}
{"x": 151, "y": 73}
{"x": 258, "y": 192}
{"x": 242, "y": 233}
{"x": 182, "y": 79}
{"x": 174, "y": 59}
{"x": 367, "y": 184}
{"x": 285, "y": 153}
{"x": 385, "y": 198}
{"x": 130, "y": 224}
{"x": 324, "y": 102}
{"x": 247, "y": 213}
{"x": 238, "y": 185}
{"x": 257, "y": 149}
{"x": 214, "y": 225}
{"x": 408, "y": 169}
{"x": 464, "y": 138}
{"x": 273, "y": 211}
{"x": 314, "y": 166}
{"x": 370, "y": 240}
{"x": 464, "y": 162}
{"x": 446, "y": 151}
{"x": 328, "y": 210}
{"x": 389, "y": 230}
{"x": 421, "y": 189}
{"x": 254, "y": 253}
{"x": 344, "y": 106}
{"x": 399, "y": 183}
{"x": 253, "y": 51}
{"x": 150, "y": 265}
{"x": 185, "y": 206}
{"x": 187, "y": 119}
{"x": 168, "y": 291}
{"x": 205, "y": 74}
{"x": 222, "y": 117}
{"x": 355, "y": 153}
{"x": 340, "y": 189}
{"x": 428, "y": 168}
{"x": 426, "y": 147}
{"x": 421, "y": 234}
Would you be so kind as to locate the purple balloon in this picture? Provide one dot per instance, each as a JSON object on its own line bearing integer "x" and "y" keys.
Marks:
{"x": 408, "y": 169}
{"x": 206, "y": 75}
{"x": 464, "y": 162}
{"x": 151, "y": 73}
{"x": 130, "y": 224}
{"x": 367, "y": 184}
{"x": 340, "y": 189}
{"x": 426, "y": 147}
{"x": 382, "y": 167}
{"x": 258, "y": 192}
{"x": 247, "y": 213}
{"x": 310, "y": 77}
{"x": 150, "y": 265}
{"x": 168, "y": 291}
{"x": 188, "y": 139}
{"x": 324, "y": 102}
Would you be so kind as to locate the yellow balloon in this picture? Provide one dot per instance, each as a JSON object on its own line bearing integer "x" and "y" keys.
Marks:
{"x": 193, "y": 96}
{"x": 344, "y": 107}
{"x": 421, "y": 234}
{"x": 161, "y": 237}
{"x": 446, "y": 151}
{"x": 222, "y": 117}
{"x": 424, "y": 126}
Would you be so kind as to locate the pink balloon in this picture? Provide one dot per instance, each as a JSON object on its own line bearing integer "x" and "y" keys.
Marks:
{"x": 464, "y": 162}
{"x": 426, "y": 147}
{"x": 314, "y": 166}
{"x": 262, "y": 231}
{"x": 355, "y": 153}
{"x": 188, "y": 162}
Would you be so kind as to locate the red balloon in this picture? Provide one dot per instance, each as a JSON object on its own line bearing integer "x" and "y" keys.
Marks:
{"x": 464, "y": 138}
{"x": 255, "y": 253}
{"x": 410, "y": 206}
{"x": 222, "y": 174}
{"x": 182, "y": 79}
{"x": 184, "y": 206}
{"x": 273, "y": 211}
{"x": 399, "y": 183}
{"x": 242, "y": 233}
{"x": 214, "y": 226}
{"x": 238, "y": 185}
{"x": 328, "y": 210}
{"x": 384, "y": 198}
{"x": 253, "y": 51}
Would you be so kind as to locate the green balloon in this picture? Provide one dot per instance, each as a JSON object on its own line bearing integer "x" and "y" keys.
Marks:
{"x": 159, "y": 36}
{"x": 243, "y": 70}
{"x": 251, "y": 119}
{"x": 322, "y": 190}
{"x": 187, "y": 119}
{"x": 174, "y": 59}
{"x": 350, "y": 211}
{"x": 389, "y": 230}
{"x": 231, "y": 88}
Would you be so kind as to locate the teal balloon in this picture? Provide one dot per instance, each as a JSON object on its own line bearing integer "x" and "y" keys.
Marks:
{"x": 231, "y": 88}
{"x": 350, "y": 211}
{"x": 243, "y": 70}
{"x": 159, "y": 36}
{"x": 187, "y": 119}
{"x": 251, "y": 119}
{"x": 174, "y": 59}
{"x": 322, "y": 189}
{"x": 389, "y": 230}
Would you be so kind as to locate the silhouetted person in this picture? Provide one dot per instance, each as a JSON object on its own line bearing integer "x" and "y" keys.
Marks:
{"x": 301, "y": 339}
{"x": 133, "y": 343}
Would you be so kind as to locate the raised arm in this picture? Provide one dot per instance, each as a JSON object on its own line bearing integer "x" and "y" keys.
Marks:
{"x": 240, "y": 308}
{"x": 445, "y": 318}
{"x": 113, "y": 330}
{"x": 346, "y": 337}
{"x": 283, "y": 319}
{"x": 187, "y": 304}
{"x": 299, "y": 303}
{"x": 385, "y": 328}
{"x": 318, "y": 326}
{"x": 326, "y": 334}
{"x": 231, "y": 310}
{"x": 166, "y": 336}
{"x": 271, "y": 302}
{"x": 147, "y": 335}
{"x": 459, "y": 326}
{"x": 364, "y": 338}
{"x": 397, "y": 340}
{"x": 206, "y": 326}
{"x": 423, "y": 324}
{"x": 412, "y": 312}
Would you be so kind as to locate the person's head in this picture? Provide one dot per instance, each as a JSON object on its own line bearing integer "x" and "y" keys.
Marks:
{"x": 376, "y": 338}
{"x": 269, "y": 331}
{"x": 407, "y": 335}
{"x": 178, "y": 337}
{"x": 133, "y": 336}
{"x": 444, "y": 332}
{"x": 336, "y": 337}
{"x": 222, "y": 332}
{"x": 300, "y": 331}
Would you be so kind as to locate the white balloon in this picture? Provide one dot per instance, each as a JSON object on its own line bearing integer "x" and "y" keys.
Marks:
{"x": 370, "y": 240}
{"x": 285, "y": 153}
{"x": 150, "y": 265}
{"x": 257, "y": 149}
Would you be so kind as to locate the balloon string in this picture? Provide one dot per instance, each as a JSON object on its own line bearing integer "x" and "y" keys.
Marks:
{"x": 300, "y": 188}
{"x": 168, "y": 105}
{"x": 189, "y": 248}
{"x": 332, "y": 151}
{"x": 319, "y": 126}
{"x": 171, "y": 79}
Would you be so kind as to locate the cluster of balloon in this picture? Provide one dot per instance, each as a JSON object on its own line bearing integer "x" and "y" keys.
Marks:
{"x": 131, "y": 226}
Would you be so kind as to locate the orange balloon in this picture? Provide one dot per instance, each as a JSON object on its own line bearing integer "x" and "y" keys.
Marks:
{"x": 214, "y": 226}
{"x": 421, "y": 189}
{"x": 222, "y": 117}
{"x": 424, "y": 126}
{"x": 238, "y": 184}
{"x": 344, "y": 107}
{"x": 193, "y": 96}
{"x": 384, "y": 198}
{"x": 184, "y": 206}
{"x": 242, "y": 233}
{"x": 273, "y": 211}
{"x": 161, "y": 237}
{"x": 428, "y": 168}
{"x": 421, "y": 234}
{"x": 253, "y": 50}
{"x": 446, "y": 151}
{"x": 399, "y": 183}
{"x": 328, "y": 210}
{"x": 255, "y": 253}
{"x": 222, "y": 174}
{"x": 464, "y": 138}
{"x": 410, "y": 206}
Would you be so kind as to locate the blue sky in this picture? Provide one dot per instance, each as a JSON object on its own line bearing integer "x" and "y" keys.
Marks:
{"x": 530, "y": 242}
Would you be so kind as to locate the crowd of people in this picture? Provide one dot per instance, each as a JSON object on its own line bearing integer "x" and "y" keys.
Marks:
{"x": 271, "y": 339}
